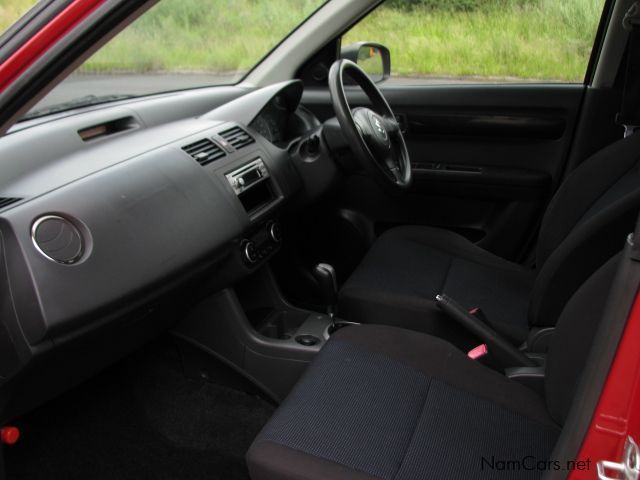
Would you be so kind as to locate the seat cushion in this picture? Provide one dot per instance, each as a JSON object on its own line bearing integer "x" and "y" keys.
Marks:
{"x": 385, "y": 403}
{"x": 407, "y": 267}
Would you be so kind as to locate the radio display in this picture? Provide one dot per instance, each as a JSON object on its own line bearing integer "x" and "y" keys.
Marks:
{"x": 247, "y": 176}
{"x": 251, "y": 176}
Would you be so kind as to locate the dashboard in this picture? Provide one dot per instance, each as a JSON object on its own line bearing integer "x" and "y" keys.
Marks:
{"x": 94, "y": 227}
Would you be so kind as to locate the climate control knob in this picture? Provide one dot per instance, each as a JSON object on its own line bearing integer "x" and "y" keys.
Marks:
{"x": 274, "y": 230}
{"x": 249, "y": 251}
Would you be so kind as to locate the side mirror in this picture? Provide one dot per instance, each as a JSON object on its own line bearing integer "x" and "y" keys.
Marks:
{"x": 373, "y": 58}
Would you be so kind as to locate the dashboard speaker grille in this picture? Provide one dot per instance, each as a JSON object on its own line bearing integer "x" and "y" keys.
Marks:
{"x": 237, "y": 137}
{"x": 204, "y": 151}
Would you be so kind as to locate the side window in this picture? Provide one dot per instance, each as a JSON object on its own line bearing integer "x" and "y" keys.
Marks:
{"x": 12, "y": 10}
{"x": 489, "y": 41}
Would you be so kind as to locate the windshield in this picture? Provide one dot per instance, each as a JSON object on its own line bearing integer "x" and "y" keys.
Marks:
{"x": 179, "y": 44}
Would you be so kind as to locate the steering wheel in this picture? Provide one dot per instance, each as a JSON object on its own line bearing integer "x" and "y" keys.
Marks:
{"x": 374, "y": 135}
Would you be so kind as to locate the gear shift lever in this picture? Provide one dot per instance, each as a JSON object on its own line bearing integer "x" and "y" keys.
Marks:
{"x": 325, "y": 275}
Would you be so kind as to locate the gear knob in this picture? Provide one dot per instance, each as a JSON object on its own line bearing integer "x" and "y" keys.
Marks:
{"x": 325, "y": 275}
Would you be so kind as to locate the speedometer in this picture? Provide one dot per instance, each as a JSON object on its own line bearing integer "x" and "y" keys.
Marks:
{"x": 273, "y": 122}
{"x": 280, "y": 103}
{"x": 261, "y": 125}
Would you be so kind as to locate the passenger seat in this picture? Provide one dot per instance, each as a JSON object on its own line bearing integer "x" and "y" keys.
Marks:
{"x": 383, "y": 403}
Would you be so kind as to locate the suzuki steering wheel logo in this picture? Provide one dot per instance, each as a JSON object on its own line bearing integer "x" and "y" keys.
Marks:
{"x": 380, "y": 128}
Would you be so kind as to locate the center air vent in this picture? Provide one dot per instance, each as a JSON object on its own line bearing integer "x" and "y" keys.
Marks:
{"x": 5, "y": 202}
{"x": 237, "y": 137}
{"x": 204, "y": 151}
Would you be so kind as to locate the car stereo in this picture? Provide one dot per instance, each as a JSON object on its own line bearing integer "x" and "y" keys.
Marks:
{"x": 248, "y": 175}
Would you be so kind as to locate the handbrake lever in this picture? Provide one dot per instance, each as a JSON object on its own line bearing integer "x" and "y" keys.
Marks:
{"x": 498, "y": 345}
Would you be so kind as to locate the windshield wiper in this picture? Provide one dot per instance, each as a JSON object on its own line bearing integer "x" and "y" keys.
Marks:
{"x": 79, "y": 102}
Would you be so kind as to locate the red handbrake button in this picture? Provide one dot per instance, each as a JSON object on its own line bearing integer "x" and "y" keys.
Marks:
{"x": 9, "y": 435}
{"x": 478, "y": 352}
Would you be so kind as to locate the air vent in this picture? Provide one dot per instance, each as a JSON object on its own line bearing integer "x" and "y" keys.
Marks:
{"x": 204, "y": 151}
{"x": 57, "y": 239}
{"x": 5, "y": 202}
{"x": 237, "y": 137}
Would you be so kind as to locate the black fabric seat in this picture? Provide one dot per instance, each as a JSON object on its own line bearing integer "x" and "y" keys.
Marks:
{"x": 407, "y": 267}
{"x": 385, "y": 403}
{"x": 397, "y": 281}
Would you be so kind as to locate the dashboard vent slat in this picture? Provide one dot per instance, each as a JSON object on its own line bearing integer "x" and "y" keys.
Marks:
{"x": 204, "y": 151}
{"x": 6, "y": 201}
{"x": 237, "y": 137}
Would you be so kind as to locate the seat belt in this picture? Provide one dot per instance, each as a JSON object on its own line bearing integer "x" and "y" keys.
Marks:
{"x": 629, "y": 115}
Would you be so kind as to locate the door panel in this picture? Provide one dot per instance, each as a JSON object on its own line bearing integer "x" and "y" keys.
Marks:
{"x": 486, "y": 158}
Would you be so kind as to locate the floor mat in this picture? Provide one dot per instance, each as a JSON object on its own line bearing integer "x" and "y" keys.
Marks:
{"x": 140, "y": 420}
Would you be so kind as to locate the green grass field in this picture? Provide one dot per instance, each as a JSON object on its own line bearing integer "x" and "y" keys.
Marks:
{"x": 530, "y": 39}
{"x": 544, "y": 39}
{"x": 10, "y": 10}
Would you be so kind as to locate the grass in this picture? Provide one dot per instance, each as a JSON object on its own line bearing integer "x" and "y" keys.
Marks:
{"x": 540, "y": 39}
{"x": 11, "y": 10}
{"x": 198, "y": 36}
{"x": 529, "y": 39}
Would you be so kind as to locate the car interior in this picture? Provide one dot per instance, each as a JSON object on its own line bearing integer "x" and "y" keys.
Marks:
{"x": 315, "y": 272}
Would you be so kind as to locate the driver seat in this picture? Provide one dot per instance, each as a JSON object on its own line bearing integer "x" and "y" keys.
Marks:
{"x": 399, "y": 278}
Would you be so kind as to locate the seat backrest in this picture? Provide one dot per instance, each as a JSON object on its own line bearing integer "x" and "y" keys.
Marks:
{"x": 571, "y": 343}
{"x": 596, "y": 205}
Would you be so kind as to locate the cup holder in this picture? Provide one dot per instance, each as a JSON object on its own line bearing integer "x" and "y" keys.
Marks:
{"x": 281, "y": 325}
{"x": 307, "y": 340}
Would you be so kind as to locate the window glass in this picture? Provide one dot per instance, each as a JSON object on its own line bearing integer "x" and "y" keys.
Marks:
{"x": 180, "y": 44}
{"x": 12, "y": 10}
{"x": 450, "y": 41}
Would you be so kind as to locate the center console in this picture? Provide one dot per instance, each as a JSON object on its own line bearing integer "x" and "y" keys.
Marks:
{"x": 261, "y": 243}
{"x": 249, "y": 326}
{"x": 257, "y": 192}
{"x": 253, "y": 186}
{"x": 253, "y": 330}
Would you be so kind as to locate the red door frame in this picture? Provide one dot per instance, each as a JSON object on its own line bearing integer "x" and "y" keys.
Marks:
{"x": 44, "y": 39}
{"x": 618, "y": 411}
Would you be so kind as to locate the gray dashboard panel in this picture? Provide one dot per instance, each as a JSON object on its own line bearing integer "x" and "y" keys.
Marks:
{"x": 59, "y": 156}
{"x": 152, "y": 218}
{"x": 145, "y": 208}
{"x": 143, "y": 220}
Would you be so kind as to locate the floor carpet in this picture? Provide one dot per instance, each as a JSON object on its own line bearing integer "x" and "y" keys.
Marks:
{"x": 140, "y": 420}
